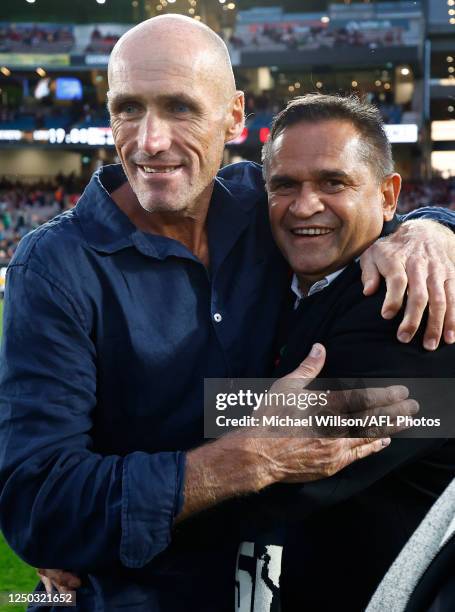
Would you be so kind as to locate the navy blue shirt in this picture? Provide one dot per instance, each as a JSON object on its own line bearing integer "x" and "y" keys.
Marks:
{"x": 108, "y": 335}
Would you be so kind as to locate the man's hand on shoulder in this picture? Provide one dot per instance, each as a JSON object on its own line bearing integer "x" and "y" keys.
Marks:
{"x": 419, "y": 258}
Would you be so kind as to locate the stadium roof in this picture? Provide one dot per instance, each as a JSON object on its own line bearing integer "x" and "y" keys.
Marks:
{"x": 132, "y": 11}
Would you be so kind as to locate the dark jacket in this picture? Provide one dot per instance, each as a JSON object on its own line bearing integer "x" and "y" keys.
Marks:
{"x": 355, "y": 523}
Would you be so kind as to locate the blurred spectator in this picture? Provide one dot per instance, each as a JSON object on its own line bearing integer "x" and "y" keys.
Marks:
{"x": 304, "y": 34}
{"x": 46, "y": 114}
{"x": 261, "y": 108}
{"x": 25, "y": 207}
{"x": 46, "y": 38}
{"x": 438, "y": 192}
{"x": 101, "y": 43}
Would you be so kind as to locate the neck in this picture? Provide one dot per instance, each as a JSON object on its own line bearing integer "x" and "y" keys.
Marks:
{"x": 189, "y": 229}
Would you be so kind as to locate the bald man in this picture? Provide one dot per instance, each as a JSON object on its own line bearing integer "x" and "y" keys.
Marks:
{"x": 116, "y": 311}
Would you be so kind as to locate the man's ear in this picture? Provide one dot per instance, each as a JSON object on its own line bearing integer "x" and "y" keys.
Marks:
{"x": 390, "y": 189}
{"x": 236, "y": 117}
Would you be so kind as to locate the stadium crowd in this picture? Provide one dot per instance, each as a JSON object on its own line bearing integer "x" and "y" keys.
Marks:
{"x": 101, "y": 43}
{"x": 24, "y": 207}
{"x": 51, "y": 38}
{"x": 289, "y": 36}
{"x": 261, "y": 108}
{"x": 45, "y": 114}
{"x": 23, "y": 38}
{"x": 438, "y": 192}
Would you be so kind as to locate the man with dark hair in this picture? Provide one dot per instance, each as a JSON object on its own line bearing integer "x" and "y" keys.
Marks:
{"x": 332, "y": 192}
{"x": 375, "y": 148}
{"x": 115, "y": 312}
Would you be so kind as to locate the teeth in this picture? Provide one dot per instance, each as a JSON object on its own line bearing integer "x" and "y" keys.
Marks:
{"x": 150, "y": 170}
{"x": 311, "y": 231}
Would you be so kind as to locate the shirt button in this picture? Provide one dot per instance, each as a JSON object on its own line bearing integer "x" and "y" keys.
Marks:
{"x": 217, "y": 317}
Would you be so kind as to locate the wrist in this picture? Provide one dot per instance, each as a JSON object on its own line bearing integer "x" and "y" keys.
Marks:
{"x": 242, "y": 463}
{"x": 232, "y": 466}
{"x": 258, "y": 465}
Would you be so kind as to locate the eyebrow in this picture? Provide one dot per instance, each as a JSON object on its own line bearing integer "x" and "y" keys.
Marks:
{"x": 331, "y": 174}
{"x": 115, "y": 100}
{"x": 277, "y": 179}
{"x": 319, "y": 175}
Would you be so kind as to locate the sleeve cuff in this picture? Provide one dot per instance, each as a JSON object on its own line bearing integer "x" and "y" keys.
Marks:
{"x": 152, "y": 496}
{"x": 435, "y": 213}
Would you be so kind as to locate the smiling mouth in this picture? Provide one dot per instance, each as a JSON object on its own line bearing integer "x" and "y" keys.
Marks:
{"x": 311, "y": 231}
{"x": 159, "y": 169}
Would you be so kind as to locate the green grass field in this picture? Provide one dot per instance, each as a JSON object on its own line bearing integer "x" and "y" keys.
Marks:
{"x": 15, "y": 576}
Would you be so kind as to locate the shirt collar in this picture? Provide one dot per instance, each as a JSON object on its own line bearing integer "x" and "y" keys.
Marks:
{"x": 315, "y": 287}
{"x": 108, "y": 229}
{"x": 105, "y": 227}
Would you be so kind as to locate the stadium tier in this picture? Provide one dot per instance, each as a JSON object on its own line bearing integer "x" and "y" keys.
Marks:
{"x": 399, "y": 54}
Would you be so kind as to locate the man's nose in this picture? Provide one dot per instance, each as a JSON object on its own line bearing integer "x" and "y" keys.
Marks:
{"x": 307, "y": 202}
{"x": 155, "y": 135}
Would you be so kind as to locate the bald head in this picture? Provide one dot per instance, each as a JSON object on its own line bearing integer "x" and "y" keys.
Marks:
{"x": 173, "y": 106}
{"x": 178, "y": 37}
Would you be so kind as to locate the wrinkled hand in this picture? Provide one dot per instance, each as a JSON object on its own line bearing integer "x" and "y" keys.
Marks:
{"x": 244, "y": 461}
{"x": 58, "y": 579}
{"x": 420, "y": 258}
{"x": 297, "y": 459}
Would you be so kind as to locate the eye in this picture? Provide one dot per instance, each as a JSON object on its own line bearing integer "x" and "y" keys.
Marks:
{"x": 179, "y": 108}
{"x": 129, "y": 108}
{"x": 283, "y": 187}
{"x": 332, "y": 185}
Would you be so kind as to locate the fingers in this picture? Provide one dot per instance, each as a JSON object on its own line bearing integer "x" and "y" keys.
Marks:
{"x": 449, "y": 323}
{"x": 415, "y": 306}
{"x": 353, "y": 449}
{"x": 396, "y": 283}
{"x": 358, "y": 400}
{"x": 366, "y": 447}
{"x": 47, "y": 583}
{"x": 403, "y": 408}
{"x": 419, "y": 256}
{"x": 306, "y": 460}
{"x": 70, "y": 580}
{"x": 59, "y": 579}
{"x": 370, "y": 274}
{"x": 385, "y": 420}
{"x": 377, "y": 262}
{"x": 438, "y": 292}
{"x": 436, "y": 311}
{"x": 311, "y": 365}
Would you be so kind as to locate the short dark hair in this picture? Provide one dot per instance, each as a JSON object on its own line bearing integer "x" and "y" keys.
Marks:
{"x": 366, "y": 118}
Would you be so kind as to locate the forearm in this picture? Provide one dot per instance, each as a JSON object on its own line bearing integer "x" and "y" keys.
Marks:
{"x": 232, "y": 466}
{"x": 236, "y": 465}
